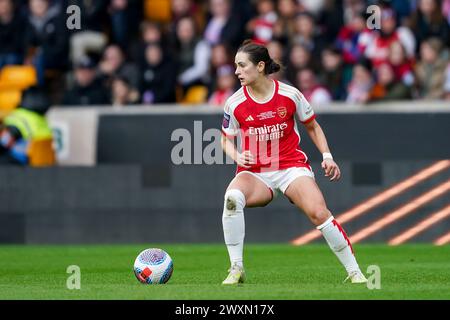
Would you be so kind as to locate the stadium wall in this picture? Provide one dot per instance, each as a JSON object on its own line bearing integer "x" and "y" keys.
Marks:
{"x": 124, "y": 187}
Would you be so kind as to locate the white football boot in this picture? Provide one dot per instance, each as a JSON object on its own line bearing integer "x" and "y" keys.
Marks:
{"x": 236, "y": 275}
{"x": 356, "y": 277}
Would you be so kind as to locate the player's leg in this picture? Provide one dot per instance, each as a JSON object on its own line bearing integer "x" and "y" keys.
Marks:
{"x": 306, "y": 195}
{"x": 245, "y": 190}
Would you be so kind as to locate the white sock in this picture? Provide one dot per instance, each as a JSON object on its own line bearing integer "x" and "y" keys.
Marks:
{"x": 340, "y": 244}
{"x": 234, "y": 225}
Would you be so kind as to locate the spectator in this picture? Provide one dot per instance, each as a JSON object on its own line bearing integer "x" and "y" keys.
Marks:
{"x": 226, "y": 85}
{"x": 88, "y": 88}
{"x": 333, "y": 73}
{"x": 223, "y": 27}
{"x": 387, "y": 88}
{"x": 159, "y": 74}
{"x": 311, "y": 89}
{"x": 430, "y": 71}
{"x": 261, "y": 27}
{"x": 377, "y": 43}
{"x": 185, "y": 8}
{"x": 193, "y": 54}
{"x": 305, "y": 28}
{"x": 330, "y": 20}
{"x": 284, "y": 28}
{"x": 12, "y": 29}
{"x": 403, "y": 9}
{"x": 276, "y": 51}
{"x": 429, "y": 21}
{"x": 123, "y": 15}
{"x": 348, "y": 38}
{"x": 403, "y": 67}
{"x": 220, "y": 56}
{"x": 45, "y": 38}
{"x": 91, "y": 37}
{"x": 307, "y": 35}
{"x": 353, "y": 8}
{"x": 361, "y": 83}
{"x": 299, "y": 58}
{"x": 180, "y": 9}
{"x": 122, "y": 93}
{"x": 25, "y": 125}
{"x": 113, "y": 63}
{"x": 150, "y": 32}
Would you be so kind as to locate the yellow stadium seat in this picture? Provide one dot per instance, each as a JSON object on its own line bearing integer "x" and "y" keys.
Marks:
{"x": 41, "y": 153}
{"x": 195, "y": 95}
{"x": 158, "y": 10}
{"x": 19, "y": 77}
{"x": 10, "y": 99}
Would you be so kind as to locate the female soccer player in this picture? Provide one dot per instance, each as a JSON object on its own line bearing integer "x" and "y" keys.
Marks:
{"x": 263, "y": 112}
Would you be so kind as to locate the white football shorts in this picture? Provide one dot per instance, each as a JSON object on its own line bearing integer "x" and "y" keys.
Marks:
{"x": 278, "y": 181}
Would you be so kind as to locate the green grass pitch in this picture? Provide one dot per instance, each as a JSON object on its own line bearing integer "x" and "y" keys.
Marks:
{"x": 274, "y": 271}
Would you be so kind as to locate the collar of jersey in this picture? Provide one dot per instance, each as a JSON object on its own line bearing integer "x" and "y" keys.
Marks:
{"x": 249, "y": 95}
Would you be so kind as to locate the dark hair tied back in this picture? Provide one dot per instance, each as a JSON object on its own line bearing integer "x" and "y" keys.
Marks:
{"x": 273, "y": 67}
{"x": 257, "y": 53}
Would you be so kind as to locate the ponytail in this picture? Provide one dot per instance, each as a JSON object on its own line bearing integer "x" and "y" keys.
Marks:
{"x": 257, "y": 53}
{"x": 273, "y": 67}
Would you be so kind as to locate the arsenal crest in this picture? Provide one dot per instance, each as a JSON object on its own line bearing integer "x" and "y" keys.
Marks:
{"x": 282, "y": 112}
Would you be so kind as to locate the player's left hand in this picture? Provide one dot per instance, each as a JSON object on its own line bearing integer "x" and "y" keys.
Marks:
{"x": 331, "y": 169}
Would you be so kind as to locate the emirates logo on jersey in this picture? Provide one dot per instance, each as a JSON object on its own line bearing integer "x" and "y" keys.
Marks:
{"x": 268, "y": 132}
{"x": 282, "y": 112}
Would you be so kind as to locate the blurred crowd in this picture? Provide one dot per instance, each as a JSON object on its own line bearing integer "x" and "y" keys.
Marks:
{"x": 165, "y": 51}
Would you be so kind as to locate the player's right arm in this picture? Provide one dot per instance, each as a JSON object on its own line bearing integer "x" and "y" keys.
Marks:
{"x": 230, "y": 129}
{"x": 244, "y": 159}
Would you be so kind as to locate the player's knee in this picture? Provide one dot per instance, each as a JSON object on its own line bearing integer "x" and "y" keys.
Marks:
{"x": 319, "y": 215}
{"x": 234, "y": 202}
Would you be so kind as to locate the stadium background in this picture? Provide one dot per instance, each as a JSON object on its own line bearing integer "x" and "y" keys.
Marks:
{"x": 133, "y": 74}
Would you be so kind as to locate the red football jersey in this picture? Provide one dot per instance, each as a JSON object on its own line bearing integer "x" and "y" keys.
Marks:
{"x": 268, "y": 128}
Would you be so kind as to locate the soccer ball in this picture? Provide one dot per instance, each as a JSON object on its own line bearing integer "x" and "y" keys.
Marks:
{"x": 153, "y": 266}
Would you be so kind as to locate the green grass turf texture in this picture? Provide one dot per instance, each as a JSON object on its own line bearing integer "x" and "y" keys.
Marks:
{"x": 274, "y": 271}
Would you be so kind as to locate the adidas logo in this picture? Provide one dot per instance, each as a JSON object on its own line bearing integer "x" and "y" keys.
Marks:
{"x": 250, "y": 118}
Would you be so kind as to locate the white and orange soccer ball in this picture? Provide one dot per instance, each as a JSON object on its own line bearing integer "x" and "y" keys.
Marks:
{"x": 153, "y": 266}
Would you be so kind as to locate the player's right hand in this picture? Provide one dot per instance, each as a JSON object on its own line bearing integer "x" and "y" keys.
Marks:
{"x": 245, "y": 159}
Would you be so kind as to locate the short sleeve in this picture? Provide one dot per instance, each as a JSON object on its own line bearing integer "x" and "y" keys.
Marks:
{"x": 230, "y": 126}
{"x": 304, "y": 110}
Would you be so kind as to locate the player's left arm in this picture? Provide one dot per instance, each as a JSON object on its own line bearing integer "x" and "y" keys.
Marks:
{"x": 318, "y": 137}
